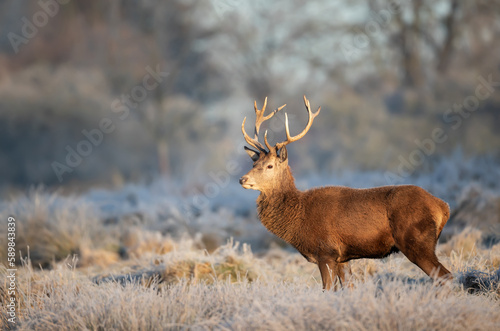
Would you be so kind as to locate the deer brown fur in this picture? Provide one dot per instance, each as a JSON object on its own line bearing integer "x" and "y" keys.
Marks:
{"x": 332, "y": 225}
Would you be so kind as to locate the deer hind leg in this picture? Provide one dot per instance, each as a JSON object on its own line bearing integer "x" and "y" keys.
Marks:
{"x": 420, "y": 248}
{"x": 430, "y": 264}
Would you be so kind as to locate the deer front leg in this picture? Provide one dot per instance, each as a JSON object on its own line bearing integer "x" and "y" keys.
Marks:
{"x": 329, "y": 270}
{"x": 341, "y": 269}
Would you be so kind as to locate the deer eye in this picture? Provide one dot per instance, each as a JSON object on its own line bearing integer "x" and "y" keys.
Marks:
{"x": 270, "y": 166}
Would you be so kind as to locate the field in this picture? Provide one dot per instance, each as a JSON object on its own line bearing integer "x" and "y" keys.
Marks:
{"x": 148, "y": 257}
{"x": 121, "y": 150}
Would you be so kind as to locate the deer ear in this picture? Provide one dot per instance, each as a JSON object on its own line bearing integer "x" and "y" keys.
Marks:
{"x": 283, "y": 154}
{"x": 253, "y": 154}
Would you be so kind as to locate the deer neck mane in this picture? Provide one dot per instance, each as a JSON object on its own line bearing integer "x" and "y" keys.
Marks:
{"x": 280, "y": 209}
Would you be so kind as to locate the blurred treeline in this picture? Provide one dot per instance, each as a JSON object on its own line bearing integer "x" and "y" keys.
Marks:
{"x": 385, "y": 73}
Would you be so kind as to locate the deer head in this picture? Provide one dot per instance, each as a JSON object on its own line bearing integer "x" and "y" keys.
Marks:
{"x": 270, "y": 168}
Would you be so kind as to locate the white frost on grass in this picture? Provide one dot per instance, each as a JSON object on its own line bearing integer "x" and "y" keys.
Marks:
{"x": 389, "y": 305}
{"x": 150, "y": 258}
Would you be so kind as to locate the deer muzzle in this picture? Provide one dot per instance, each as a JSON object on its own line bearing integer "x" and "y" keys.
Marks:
{"x": 245, "y": 182}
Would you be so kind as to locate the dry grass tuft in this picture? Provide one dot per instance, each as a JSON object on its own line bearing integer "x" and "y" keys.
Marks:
{"x": 52, "y": 233}
{"x": 466, "y": 241}
{"x": 227, "y": 263}
{"x": 137, "y": 242}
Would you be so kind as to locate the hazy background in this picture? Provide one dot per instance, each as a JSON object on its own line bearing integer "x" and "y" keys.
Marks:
{"x": 121, "y": 149}
{"x": 384, "y": 72}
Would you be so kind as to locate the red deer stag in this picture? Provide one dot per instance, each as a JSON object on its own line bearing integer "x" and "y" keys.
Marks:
{"x": 331, "y": 225}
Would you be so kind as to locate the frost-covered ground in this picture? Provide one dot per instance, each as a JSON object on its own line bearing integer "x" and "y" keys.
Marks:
{"x": 158, "y": 257}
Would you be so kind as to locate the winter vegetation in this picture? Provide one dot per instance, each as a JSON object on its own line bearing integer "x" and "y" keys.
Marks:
{"x": 121, "y": 149}
{"x": 146, "y": 257}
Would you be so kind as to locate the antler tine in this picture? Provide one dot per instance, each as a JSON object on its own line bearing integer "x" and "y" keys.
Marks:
{"x": 260, "y": 118}
{"x": 252, "y": 142}
{"x": 267, "y": 143}
{"x": 310, "y": 120}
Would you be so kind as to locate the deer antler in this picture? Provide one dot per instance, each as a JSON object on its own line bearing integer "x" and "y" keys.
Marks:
{"x": 289, "y": 139}
{"x": 259, "y": 119}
